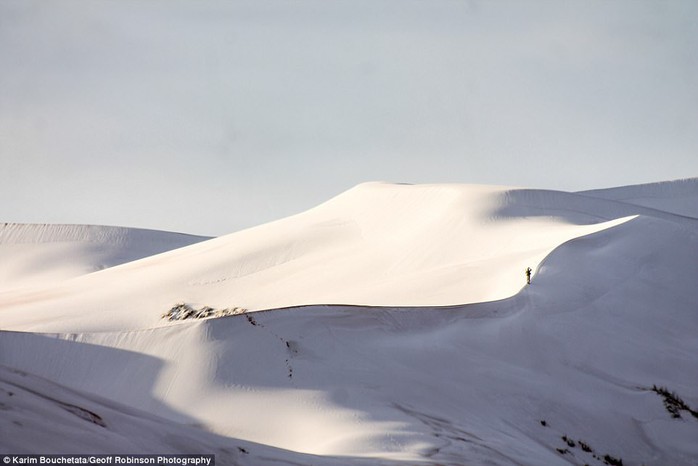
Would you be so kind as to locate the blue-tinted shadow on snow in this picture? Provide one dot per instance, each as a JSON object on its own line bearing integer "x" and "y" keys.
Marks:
{"x": 574, "y": 208}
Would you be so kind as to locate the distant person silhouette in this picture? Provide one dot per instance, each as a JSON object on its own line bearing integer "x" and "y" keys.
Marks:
{"x": 528, "y": 275}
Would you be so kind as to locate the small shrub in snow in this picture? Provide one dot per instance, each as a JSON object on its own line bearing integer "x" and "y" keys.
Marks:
{"x": 568, "y": 441}
{"x": 673, "y": 403}
{"x": 183, "y": 311}
{"x": 584, "y": 446}
{"x": 608, "y": 459}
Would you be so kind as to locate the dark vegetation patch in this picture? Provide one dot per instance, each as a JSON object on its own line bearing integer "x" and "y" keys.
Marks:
{"x": 585, "y": 447}
{"x": 570, "y": 444}
{"x": 673, "y": 403}
{"x": 608, "y": 459}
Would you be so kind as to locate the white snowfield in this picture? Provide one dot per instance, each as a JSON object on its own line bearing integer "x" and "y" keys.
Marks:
{"x": 396, "y": 328}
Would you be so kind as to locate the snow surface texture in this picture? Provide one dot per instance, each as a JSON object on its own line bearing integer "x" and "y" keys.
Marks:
{"x": 401, "y": 331}
{"x": 43, "y": 254}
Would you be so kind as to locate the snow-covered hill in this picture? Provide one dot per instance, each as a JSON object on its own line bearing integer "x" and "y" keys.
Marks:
{"x": 377, "y": 244}
{"x": 461, "y": 364}
{"x": 33, "y": 255}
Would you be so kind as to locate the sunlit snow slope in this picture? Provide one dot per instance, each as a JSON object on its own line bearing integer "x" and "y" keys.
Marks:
{"x": 558, "y": 372}
{"x": 377, "y": 244}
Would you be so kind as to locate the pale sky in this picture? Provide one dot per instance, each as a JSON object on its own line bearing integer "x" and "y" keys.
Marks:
{"x": 209, "y": 116}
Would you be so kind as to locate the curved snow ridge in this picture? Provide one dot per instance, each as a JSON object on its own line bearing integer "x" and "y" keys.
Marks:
{"x": 578, "y": 208}
{"x": 377, "y": 244}
{"x": 677, "y": 197}
{"x": 23, "y": 233}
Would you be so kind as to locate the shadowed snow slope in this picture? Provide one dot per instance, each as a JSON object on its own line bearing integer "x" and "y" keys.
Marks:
{"x": 32, "y": 255}
{"x": 42, "y": 416}
{"x": 679, "y": 197}
{"x": 610, "y": 313}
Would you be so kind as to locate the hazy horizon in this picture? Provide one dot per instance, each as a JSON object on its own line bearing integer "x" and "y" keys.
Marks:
{"x": 208, "y": 117}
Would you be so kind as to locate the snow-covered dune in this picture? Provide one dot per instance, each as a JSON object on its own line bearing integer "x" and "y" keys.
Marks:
{"x": 568, "y": 370}
{"x": 376, "y": 244}
{"x": 33, "y": 255}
